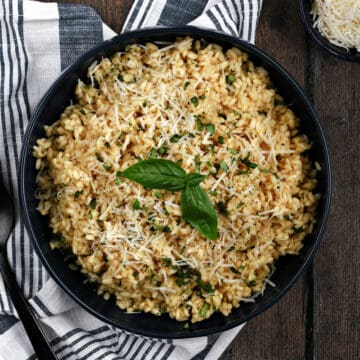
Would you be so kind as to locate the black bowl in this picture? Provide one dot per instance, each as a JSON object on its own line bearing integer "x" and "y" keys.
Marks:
{"x": 351, "y": 55}
{"x": 289, "y": 268}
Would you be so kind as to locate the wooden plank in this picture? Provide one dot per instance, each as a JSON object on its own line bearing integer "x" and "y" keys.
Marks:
{"x": 336, "y": 269}
{"x": 279, "y": 333}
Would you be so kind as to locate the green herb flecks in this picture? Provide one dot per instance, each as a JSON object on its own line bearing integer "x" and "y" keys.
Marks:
{"x": 210, "y": 128}
{"x": 230, "y": 79}
{"x": 297, "y": 230}
{"x": 78, "y": 193}
{"x": 175, "y": 138}
{"x": 205, "y": 286}
{"x": 224, "y": 167}
{"x": 248, "y": 163}
{"x": 92, "y": 204}
{"x": 204, "y": 309}
{"x": 195, "y": 101}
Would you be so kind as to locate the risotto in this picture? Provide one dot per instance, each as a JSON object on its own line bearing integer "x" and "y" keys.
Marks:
{"x": 212, "y": 112}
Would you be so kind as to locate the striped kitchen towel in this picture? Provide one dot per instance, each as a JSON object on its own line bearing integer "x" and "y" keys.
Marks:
{"x": 38, "y": 40}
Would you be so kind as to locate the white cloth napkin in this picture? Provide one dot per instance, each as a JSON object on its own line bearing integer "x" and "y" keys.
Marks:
{"x": 37, "y": 41}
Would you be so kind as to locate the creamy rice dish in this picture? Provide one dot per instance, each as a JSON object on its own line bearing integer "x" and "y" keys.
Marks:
{"x": 212, "y": 112}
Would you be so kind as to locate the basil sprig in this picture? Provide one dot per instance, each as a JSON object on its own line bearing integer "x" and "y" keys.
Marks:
{"x": 197, "y": 209}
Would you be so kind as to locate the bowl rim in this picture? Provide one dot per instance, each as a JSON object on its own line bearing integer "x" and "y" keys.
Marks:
{"x": 179, "y": 31}
{"x": 321, "y": 41}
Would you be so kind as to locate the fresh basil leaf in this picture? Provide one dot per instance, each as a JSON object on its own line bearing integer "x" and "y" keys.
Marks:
{"x": 157, "y": 174}
{"x": 194, "y": 179}
{"x": 198, "y": 210}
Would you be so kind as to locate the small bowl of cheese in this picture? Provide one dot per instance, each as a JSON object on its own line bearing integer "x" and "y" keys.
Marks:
{"x": 334, "y": 25}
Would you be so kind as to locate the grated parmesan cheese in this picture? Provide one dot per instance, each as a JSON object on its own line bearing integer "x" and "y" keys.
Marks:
{"x": 338, "y": 21}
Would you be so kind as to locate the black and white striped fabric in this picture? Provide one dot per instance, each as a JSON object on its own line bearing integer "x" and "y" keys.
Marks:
{"x": 37, "y": 41}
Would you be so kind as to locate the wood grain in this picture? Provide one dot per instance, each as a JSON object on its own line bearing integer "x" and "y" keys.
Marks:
{"x": 319, "y": 317}
{"x": 336, "y": 267}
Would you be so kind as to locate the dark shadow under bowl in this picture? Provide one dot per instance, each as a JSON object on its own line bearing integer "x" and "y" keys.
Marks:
{"x": 351, "y": 55}
{"x": 289, "y": 268}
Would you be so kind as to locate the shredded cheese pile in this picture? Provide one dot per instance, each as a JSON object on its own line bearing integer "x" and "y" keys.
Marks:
{"x": 338, "y": 21}
{"x": 212, "y": 112}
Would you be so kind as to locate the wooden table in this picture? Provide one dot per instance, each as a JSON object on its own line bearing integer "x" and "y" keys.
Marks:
{"x": 320, "y": 316}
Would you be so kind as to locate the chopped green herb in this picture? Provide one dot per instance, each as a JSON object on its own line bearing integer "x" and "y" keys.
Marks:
{"x": 144, "y": 104}
{"x": 136, "y": 205}
{"x": 220, "y": 140}
{"x": 158, "y": 194}
{"x": 230, "y": 79}
{"x": 195, "y": 101}
{"x": 199, "y": 124}
{"x": 233, "y": 269}
{"x": 166, "y": 229}
{"x": 210, "y": 128}
{"x": 287, "y": 217}
{"x": 166, "y": 262}
{"x": 118, "y": 174}
{"x": 152, "y": 153}
{"x": 248, "y": 163}
{"x": 209, "y": 164}
{"x": 251, "y": 283}
{"x": 243, "y": 172}
{"x": 92, "y": 204}
{"x": 107, "y": 144}
{"x": 190, "y": 135}
{"x": 78, "y": 193}
{"x": 213, "y": 192}
{"x": 233, "y": 151}
{"x": 224, "y": 166}
{"x": 82, "y": 111}
{"x": 186, "y": 326}
{"x": 202, "y": 97}
{"x": 205, "y": 286}
{"x": 107, "y": 167}
{"x": 297, "y": 230}
{"x": 240, "y": 204}
{"x": 248, "y": 230}
{"x": 118, "y": 181}
{"x": 163, "y": 150}
{"x": 231, "y": 248}
{"x": 98, "y": 156}
{"x": 187, "y": 83}
{"x": 175, "y": 138}
{"x": 135, "y": 274}
{"x": 204, "y": 309}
